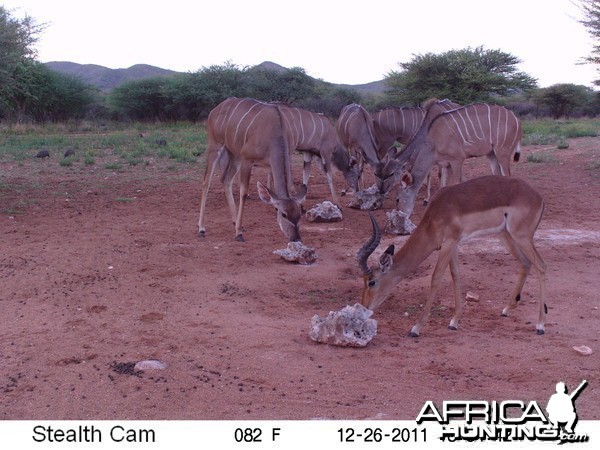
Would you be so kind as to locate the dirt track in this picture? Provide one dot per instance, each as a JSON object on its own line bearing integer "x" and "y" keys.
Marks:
{"x": 99, "y": 269}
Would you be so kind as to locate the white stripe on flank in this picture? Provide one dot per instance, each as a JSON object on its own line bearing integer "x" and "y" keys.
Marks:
{"x": 480, "y": 126}
{"x": 314, "y": 124}
{"x": 300, "y": 124}
{"x": 498, "y": 128}
{"x": 464, "y": 121}
{"x": 473, "y": 124}
{"x": 248, "y": 126}
{"x": 505, "y": 126}
{"x": 451, "y": 115}
{"x": 490, "y": 122}
{"x": 403, "y": 121}
{"x": 227, "y": 118}
{"x": 516, "y": 133}
{"x": 350, "y": 117}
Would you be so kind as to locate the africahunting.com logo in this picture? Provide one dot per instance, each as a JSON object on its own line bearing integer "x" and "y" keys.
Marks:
{"x": 510, "y": 420}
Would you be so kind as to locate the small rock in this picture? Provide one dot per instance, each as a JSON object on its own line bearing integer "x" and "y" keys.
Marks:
{"x": 298, "y": 252}
{"x": 349, "y": 327}
{"x": 472, "y": 297}
{"x": 398, "y": 223}
{"x": 150, "y": 364}
{"x": 369, "y": 198}
{"x": 324, "y": 212}
{"x": 583, "y": 350}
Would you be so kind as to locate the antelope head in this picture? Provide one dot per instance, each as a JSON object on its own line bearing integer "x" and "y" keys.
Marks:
{"x": 374, "y": 290}
{"x": 353, "y": 173}
{"x": 289, "y": 210}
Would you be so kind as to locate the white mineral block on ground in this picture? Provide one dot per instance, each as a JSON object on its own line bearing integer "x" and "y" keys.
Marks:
{"x": 324, "y": 212}
{"x": 472, "y": 297}
{"x": 150, "y": 364}
{"x": 349, "y": 327}
{"x": 583, "y": 350}
{"x": 369, "y": 199}
{"x": 398, "y": 223}
{"x": 298, "y": 252}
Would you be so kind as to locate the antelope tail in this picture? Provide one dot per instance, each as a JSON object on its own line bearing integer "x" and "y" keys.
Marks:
{"x": 517, "y": 154}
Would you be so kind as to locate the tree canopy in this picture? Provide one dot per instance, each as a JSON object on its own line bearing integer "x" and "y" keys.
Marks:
{"x": 563, "y": 99}
{"x": 28, "y": 89}
{"x": 191, "y": 96}
{"x": 464, "y": 76}
{"x": 591, "y": 20}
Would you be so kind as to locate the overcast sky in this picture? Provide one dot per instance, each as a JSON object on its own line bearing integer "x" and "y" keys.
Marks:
{"x": 344, "y": 41}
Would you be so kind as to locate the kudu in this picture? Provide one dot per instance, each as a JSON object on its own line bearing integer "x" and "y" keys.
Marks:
{"x": 401, "y": 125}
{"x": 396, "y": 125}
{"x": 315, "y": 136}
{"x": 356, "y": 131}
{"x": 252, "y": 133}
{"x": 505, "y": 206}
{"x": 451, "y": 137}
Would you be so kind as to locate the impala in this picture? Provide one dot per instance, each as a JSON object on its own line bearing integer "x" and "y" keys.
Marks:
{"x": 451, "y": 137}
{"x": 505, "y": 206}
{"x": 252, "y": 133}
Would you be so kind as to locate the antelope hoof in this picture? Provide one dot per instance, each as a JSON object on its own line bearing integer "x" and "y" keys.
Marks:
{"x": 202, "y": 233}
{"x": 240, "y": 238}
{"x": 425, "y": 203}
{"x": 452, "y": 327}
{"x": 412, "y": 334}
{"x": 540, "y": 332}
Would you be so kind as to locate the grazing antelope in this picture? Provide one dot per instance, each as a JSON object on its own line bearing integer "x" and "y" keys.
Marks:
{"x": 314, "y": 135}
{"x": 451, "y": 137}
{"x": 357, "y": 134}
{"x": 401, "y": 125}
{"x": 252, "y": 133}
{"x": 505, "y": 206}
{"x": 396, "y": 125}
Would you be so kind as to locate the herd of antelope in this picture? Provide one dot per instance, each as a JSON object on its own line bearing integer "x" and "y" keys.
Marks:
{"x": 243, "y": 133}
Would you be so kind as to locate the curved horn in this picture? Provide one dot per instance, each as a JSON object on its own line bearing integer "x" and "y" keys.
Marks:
{"x": 363, "y": 254}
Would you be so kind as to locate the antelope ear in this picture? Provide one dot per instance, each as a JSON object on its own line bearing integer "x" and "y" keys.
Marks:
{"x": 265, "y": 194}
{"x": 407, "y": 179}
{"x": 386, "y": 260}
{"x": 301, "y": 194}
{"x": 391, "y": 153}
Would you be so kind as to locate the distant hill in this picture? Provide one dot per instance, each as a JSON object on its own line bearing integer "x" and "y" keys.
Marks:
{"x": 105, "y": 78}
{"x": 268, "y": 65}
{"x": 374, "y": 87}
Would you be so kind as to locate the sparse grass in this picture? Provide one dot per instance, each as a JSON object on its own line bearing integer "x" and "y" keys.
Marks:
{"x": 541, "y": 157}
{"x": 562, "y": 144}
{"x": 548, "y": 132}
{"x": 67, "y": 162}
{"x": 113, "y": 166}
{"x": 124, "y": 199}
{"x": 11, "y": 211}
{"x": 594, "y": 166}
{"x": 184, "y": 141}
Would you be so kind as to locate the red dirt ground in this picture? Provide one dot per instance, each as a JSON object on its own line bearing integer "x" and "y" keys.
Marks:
{"x": 99, "y": 269}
